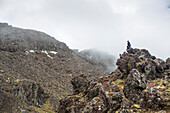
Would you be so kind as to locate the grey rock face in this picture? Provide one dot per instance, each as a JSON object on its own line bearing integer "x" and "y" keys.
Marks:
{"x": 80, "y": 84}
{"x": 134, "y": 85}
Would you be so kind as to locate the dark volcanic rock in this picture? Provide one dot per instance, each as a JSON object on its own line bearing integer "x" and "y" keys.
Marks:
{"x": 134, "y": 85}
{"x": 143, "y": 61}
{"x": 80, "y": 84}
{"x": 168, "y": 63}
{"x": 30, "y": 92}
{"x": 94, "y": 100}
{"x": 115, "y": 99}
{"x": 126, "y": 63}
{"x": 151, "y": 99}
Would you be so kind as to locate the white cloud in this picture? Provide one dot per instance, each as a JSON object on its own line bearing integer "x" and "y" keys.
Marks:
{"x": 101, "y": 24}
{"x": 123, "y": 6}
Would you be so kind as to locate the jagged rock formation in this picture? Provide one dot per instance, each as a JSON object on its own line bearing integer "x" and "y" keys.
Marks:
{"x": 139, "y": 84}
{"x": 102, "y": 60}
{"x": 36, "y": 70}
{"x": 143, "y": 62}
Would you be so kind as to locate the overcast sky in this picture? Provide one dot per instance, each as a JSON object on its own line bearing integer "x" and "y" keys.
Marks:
{"x": 102, "y": 24}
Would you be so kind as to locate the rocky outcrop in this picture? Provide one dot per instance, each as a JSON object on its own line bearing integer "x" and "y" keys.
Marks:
{"x": 17, "y": 94}
{"x": 30, "y": 92}
{"x": 143, "y": 62}
{"x": 139, "y": 84}
{"x": 94, "y": 100}
{"x": 134, "y": 85}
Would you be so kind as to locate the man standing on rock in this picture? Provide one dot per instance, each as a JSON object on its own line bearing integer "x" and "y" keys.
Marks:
{"x": 128, "y": 46}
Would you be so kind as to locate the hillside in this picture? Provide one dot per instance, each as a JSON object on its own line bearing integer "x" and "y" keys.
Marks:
{"x": 36, "y": 70}
{"x": 140, "y": 84}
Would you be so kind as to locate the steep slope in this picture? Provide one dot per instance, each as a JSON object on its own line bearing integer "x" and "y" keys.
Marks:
{"x": 36, "y": 70}
{"x": 140, "y": 84}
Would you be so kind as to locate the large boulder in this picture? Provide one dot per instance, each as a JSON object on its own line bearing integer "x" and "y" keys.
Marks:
{"x": 126, "y": 63}
{"x": 134, "y": 85}
{"x": 80, "y": 84}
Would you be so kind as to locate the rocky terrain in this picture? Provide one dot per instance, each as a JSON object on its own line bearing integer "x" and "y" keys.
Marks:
{"x": 102, "y": 60}
{"x": 39, "y": 74}
{"x": 36, "y": 71}
{"x": 139, "y": 84}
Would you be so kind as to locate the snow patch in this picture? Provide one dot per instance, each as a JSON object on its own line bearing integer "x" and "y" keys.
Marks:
{"x": 31, "y": 51}
{"x": 47, "y": 54}
{"x": 99, "y": 108}
{"x": 54, "y": 52}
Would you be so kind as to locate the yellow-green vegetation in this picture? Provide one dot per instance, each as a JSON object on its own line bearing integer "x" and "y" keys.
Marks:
{"x": 45, "y": 108}
{"x": 78, "y": 95}
{"x": 168, "y": 90}
{"x": 160, "y": 87}
{"x": 145, "y": 90}
{"x": 118, "y": 111}
{"x": 141, "y": 62}
{"x": 136, "y": 106}
{"x": 17, "y": 81}
{"x": 119, "y": 81}
{"x": 136, "y": 110}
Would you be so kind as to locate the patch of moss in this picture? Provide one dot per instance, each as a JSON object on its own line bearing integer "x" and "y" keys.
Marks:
{"x": 140, "y": 63}
{"x": 119, "y": 81}
{"x": 45, "y": 108}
